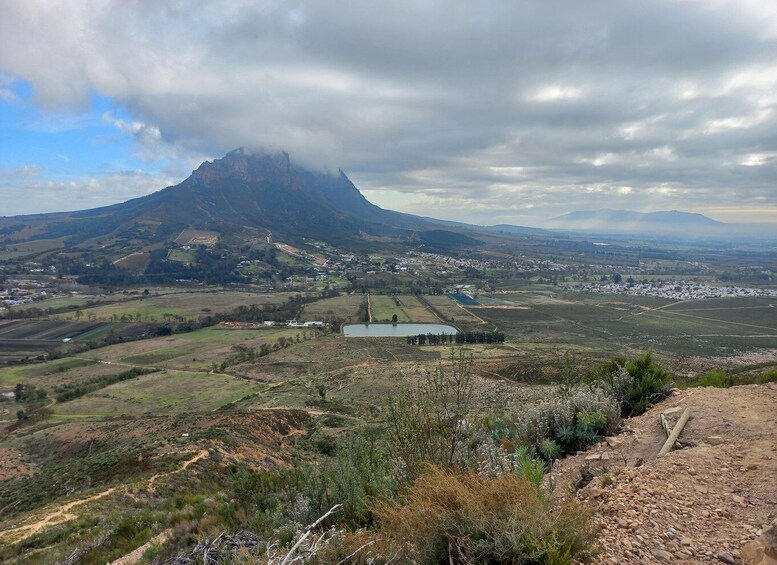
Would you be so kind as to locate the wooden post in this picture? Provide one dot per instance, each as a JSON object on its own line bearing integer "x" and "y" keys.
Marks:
{"x": 678, "y": 428}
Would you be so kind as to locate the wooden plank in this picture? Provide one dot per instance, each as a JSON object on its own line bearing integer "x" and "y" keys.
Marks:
{"x": 678, "y": 428}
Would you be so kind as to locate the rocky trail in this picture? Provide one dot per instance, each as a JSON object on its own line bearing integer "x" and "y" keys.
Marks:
{"x": 712, "y": 501}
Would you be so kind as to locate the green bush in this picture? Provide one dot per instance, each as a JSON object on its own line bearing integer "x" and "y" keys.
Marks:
{"x": 637, "y": 384}
{"x": 571, "y": 422}
{"x": 769, "y": 376}
{"x": 649, "y": 384}
{"x": 716, "y": 378}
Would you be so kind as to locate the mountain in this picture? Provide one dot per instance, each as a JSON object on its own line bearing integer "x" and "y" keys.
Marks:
{"x": 241, "y": 197}
{"x": 626, "y": 221}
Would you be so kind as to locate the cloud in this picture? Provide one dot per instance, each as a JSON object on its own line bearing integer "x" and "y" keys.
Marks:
{"x": 33, "y": 194}
{"x": 510, "y": 107}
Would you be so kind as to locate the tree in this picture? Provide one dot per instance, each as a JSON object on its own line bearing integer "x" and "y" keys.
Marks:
{"x": 617, "y": 278}
{"x": 394, "y": 318}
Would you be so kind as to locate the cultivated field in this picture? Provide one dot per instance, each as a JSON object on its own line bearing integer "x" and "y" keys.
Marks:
{"x": 450, "y": 311}
{"x": 193, "y": 351}
{"x": 406, "y": 308}
{"x": 345, "y": 307}
{"x": 27, "y": 338}
{"x": 618, "y": 324}
{"x": 188, "y": 305}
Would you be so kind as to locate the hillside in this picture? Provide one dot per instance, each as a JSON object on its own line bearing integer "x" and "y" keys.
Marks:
{"x": 707, "y": 503}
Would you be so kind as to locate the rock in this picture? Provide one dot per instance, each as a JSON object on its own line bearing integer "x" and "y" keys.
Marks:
{"x": 714, "y": 440}
{"x": 726, "y": 557}
{"x": 593, "y": 457}
{"x": 752, "y": 552}
{"x": 738, "y": 499}
{"x": 661, "y": 554}
{"x": 613, "y": 441}
{"x": 686, "y": 541}
{"x": 769, "y": 540}
{"x": 671, "y": 533}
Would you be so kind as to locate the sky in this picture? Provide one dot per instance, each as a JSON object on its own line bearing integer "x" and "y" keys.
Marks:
{"x": 488, "y": 112}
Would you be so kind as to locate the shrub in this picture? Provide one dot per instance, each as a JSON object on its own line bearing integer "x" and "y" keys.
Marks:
{"x": 464, "y": 517}
{"x": 427, "y": 424}
{"x": 769, "y": 376}
{"x": 716, "y": 378}
{"x": 637, "y": 384}
{"x": 650, "y": 384}
{"x": 572, "y": 421}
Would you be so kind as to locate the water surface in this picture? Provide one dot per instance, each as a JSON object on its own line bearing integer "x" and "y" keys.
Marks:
{"x": 395, "y": 330}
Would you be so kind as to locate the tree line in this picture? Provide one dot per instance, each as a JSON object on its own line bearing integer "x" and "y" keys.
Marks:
{"x": 458, "y": 338}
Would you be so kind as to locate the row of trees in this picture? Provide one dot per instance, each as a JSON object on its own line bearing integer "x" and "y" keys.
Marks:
{"x": 458, "y": 337}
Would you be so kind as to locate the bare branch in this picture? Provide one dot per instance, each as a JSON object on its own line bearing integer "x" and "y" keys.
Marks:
{"x": 310, "y": 528}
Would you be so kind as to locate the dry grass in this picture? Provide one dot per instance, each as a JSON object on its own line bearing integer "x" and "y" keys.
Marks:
{"x": 472, "y": 519}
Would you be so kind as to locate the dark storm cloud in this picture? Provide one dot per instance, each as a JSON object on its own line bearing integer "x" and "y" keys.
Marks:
{"x": 486, "y": 110}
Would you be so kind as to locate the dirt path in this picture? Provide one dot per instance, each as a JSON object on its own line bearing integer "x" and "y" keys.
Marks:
{"x": 648, "y": 310}
{"x": 201, "y": 455}
{"x": 57, "y": 517}
{"x": 62, "y": 515}
{"x": 700, "y": 504}
{"x": 136, "y": 555}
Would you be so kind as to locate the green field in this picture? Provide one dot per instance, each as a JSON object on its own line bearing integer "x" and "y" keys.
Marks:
{"x": 161, "y": 393}
{"x": 195, "y": 351}
{"x": 406, "y": 308}
{"x": 16, "y": 250}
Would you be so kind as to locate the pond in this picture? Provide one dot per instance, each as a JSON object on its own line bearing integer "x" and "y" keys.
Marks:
{"x": 395, "y": 330}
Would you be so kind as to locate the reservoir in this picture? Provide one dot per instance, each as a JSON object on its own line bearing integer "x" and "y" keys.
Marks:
{"x": 395, "y": 330}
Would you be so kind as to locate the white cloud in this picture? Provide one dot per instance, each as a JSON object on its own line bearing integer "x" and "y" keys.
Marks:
{"x": 555, "y": 92}
{"x": 499, "y": 105}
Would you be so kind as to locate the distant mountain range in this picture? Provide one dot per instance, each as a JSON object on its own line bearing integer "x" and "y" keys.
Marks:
{"x": 627, "y": 221}
{"x": 244, "y": 197}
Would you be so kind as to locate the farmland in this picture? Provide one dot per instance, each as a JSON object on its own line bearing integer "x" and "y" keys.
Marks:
{"x": 28, "y": 338}
{"x": 348, "y": 307}
{"x": 192, "y": 351}
{"x": 162, "y": 392}
{"x": 406, "y": 308}
{"x": 610, "y": 323}
{"x": 272, "y": 397}
{"x": 450, "y": 311}
{"x": 187, "y": 305}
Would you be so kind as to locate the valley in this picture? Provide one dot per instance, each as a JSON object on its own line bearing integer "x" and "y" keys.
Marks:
{"x": 178, "y": 376}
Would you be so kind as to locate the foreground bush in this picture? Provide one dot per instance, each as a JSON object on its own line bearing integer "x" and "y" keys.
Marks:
{"x": 637, "y": 384}
{"x": 569, "y": 421}
{"x": 769, "y": 376}
{"x": 467, "y": 518}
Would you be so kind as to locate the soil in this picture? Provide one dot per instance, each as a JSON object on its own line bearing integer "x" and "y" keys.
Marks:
{"x": 698, "y": 504}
